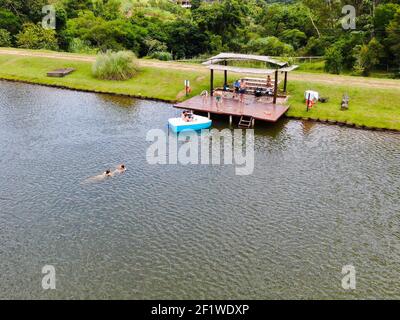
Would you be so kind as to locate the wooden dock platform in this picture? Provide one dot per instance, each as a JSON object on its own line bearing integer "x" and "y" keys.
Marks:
{"x": 258, "y": 108}
{"x": 59, "y": 73}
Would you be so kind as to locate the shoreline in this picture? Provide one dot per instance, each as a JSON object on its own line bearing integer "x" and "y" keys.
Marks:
{"x": 374, "y": 103}
{"x": 345, "y": 124}
{"x": 324, "y": 121}
{"x": 66, "y": 87}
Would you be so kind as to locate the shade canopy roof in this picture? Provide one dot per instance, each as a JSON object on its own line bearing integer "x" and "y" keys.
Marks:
{"x": 213, "y": 63}
{"x": 241, "y": 70}
{"x": 238, "y": 56}
{"x": 288, "y": 69}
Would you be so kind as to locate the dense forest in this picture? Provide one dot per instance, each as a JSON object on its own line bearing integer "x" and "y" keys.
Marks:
{"x": 161, "y": 29}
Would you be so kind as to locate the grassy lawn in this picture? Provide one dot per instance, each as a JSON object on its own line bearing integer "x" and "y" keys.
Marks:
{"x": 313, "y": 66}
{"x": 373, "y": 107}
{"x": 156, "y": 83}
{"x": 370, "y": 106}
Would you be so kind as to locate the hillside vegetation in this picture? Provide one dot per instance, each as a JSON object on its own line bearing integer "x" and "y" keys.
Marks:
{"x": 162, "y": 29}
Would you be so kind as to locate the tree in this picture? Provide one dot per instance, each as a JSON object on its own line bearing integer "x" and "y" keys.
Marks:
{"x": 294, "y": 37}
{"x": 9, "y": 21}
{"x": 28, "y": 10}
{"x": 74, "y": 7}
{"x": 278, "y": 17}
{"x": 154, "y": 45}
{"x": 316, "y": 46}
{"x": 393, "y": 31}
{"x": 270, "y": 46}
{"x": 224, "y": 19}
{"x": 5, "y": 38}
{"x": 33, "y": 36}
{"x": 108, "y": 9}
{"x": 186, "y": 40}
{"x": 384, "y": 13}
{"x": 114, "y": 35}
{"x": 368, "y": 56}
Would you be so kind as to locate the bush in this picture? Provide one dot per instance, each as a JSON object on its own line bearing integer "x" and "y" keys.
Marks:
{"x": 368, "y": 56}
{"x": 119, "y": 65}
{"x": 34, "y": 36}
{"x": 161, "y": 55}
{"x": 294, "y": 37}
{"x": 5, "y": 38}
{"x": 358, "y": 70}
{"x": 334, "y": 60}
{"x": 80, "y": 46}
{"x": 396, "y": 73}
{"x": 316, "y": 46}
{"x": 269, "y": 46}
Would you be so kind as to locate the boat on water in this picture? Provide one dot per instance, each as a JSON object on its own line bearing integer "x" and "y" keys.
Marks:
{"x": 196, "y": 123}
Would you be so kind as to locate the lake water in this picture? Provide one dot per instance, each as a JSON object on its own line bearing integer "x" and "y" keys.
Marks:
{"x": 321, "y": 197}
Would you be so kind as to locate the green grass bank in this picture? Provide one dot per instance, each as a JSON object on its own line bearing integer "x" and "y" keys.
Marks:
{"x": 150, "y": 83}
{"x": 372, "y": 105}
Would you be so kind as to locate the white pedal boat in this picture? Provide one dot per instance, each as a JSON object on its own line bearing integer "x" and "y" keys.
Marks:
{"x": 198, "y": 123}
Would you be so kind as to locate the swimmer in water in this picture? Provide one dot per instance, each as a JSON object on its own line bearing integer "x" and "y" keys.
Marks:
{"x": 100, "y": 177}
{"x": 120, "y": 169}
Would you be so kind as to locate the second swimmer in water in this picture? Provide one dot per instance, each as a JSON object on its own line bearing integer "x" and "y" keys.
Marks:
{"x": 120, "y": 169}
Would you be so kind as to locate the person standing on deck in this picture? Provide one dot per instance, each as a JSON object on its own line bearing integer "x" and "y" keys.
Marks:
{"x": 236, "y": 86}
{"x": 242, "y": 90}
{"x": 204, "y": 96}
{"x": 218, "y": 98}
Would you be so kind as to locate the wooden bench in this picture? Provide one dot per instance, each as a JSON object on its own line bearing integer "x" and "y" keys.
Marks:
{"x": 254, "y": 83}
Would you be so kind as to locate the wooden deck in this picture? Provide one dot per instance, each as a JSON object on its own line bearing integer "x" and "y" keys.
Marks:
{"x": 258, "y": 108}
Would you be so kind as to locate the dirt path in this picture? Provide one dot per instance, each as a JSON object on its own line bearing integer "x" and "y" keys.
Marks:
{"x": 306, "y": 77}
{"x": 346, "y": 80}
{"x": 86, "y": 58}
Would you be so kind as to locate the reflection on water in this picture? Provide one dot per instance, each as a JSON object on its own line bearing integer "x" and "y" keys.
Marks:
{"x": 321, "y": 197}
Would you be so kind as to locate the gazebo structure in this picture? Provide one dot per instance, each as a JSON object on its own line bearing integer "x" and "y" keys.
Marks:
{"x": 268, "y": 107}
{"x": 280, "y": 67}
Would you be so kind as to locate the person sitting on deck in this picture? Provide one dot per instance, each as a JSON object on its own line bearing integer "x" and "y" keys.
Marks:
{"x": 242, "y": 90}
{"x": 269, "y": 81}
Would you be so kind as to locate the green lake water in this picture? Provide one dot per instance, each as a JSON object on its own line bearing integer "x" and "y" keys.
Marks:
{"x": 320, "y": 197}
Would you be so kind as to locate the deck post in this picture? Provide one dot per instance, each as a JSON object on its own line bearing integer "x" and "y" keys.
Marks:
{"x": 225, "y": 75}
{"x": 276, "y": 87}
{"x": 230, "y": 120}
{"x": 285, "y": 82}
{"x": 212, "y": 83}
{"x": 209, "y": 115}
